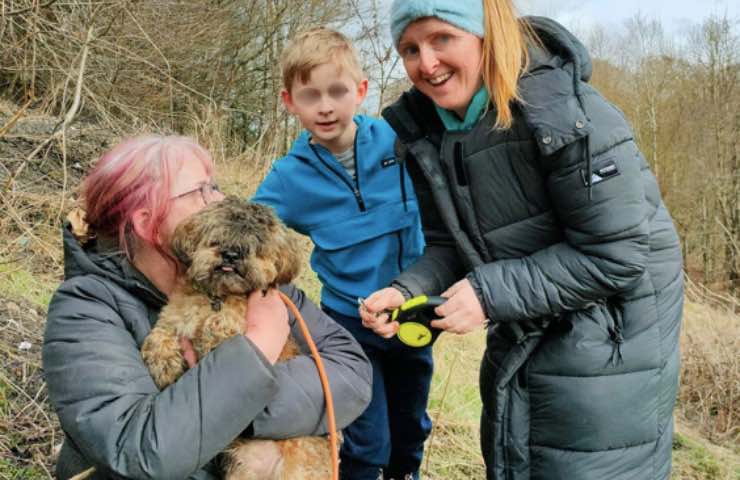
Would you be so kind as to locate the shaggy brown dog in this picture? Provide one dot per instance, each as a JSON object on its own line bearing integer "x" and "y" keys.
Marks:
{"x": 228, "y": 250}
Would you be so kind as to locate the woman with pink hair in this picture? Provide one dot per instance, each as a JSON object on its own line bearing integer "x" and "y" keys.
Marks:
{"x": 117, "y": 279}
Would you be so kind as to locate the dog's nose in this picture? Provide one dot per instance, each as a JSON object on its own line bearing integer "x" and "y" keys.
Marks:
{"x": 230, "y": 255}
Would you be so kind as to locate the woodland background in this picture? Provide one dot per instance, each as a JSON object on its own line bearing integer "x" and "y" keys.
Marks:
{"x": 76, "y": 76}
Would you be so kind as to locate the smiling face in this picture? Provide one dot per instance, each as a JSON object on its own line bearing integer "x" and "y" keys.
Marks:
{"x": 443, "y": 62}
{"x": 325, "y": 105}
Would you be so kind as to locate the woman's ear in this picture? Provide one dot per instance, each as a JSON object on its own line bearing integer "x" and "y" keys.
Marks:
{"x": 140, "y": 222}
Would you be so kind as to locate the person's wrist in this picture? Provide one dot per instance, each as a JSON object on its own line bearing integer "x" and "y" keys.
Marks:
{"x": 263, "y": 342}
{"x": 405, "y": 292}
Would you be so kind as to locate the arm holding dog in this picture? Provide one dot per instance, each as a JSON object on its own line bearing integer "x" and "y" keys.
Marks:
{"x": 298, "y": 407}
{"x": 106, "y": 399}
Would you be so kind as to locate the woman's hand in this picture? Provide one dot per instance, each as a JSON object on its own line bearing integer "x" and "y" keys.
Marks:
{"x": 266, "y": 323}
{"x": 462, "y": 312}
{"x": 375, "y": 308}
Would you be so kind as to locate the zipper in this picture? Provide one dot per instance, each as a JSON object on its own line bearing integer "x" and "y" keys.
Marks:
{"x": 615, "y": 334}
{"x": 614, "y": 330}
{"x": 400, "y": 250}
{"x": 354, "y": 188}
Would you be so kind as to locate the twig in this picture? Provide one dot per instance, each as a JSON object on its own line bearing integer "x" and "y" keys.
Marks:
{"x": 24, "y": 10}
{"x": 14, "y": 215}
{"x": 23, "y": 393}
{"x": 86, "y": 474}
{"x": 164, "y": 58}
{"x": 68, "y": 117}
{"x": 15, "y": 118}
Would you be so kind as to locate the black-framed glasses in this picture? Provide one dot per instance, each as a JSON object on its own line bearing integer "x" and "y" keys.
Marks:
{"x": 208, "y": 192}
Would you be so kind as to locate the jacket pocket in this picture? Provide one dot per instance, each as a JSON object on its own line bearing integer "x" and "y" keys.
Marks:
{"x": 369, "y": 248}
{"x": 364, "y": 226}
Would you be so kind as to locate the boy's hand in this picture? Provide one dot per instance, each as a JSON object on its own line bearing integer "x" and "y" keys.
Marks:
{"x": 374, "y": 311}
{"x": 266, "y": 323}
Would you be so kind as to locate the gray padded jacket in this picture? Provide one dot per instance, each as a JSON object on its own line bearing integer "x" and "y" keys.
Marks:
{"x": 115, "y": 418}
{"x": 560, "y": 227}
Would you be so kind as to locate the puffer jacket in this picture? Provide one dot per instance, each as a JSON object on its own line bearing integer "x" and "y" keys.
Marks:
{"x": 115, "y": 418}
{"x": 559, "y": 225}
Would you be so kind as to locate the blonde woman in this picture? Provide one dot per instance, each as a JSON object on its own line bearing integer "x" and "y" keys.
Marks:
{"x": 543, "y": 224}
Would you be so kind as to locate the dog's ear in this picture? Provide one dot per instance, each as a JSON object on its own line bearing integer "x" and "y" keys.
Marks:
{"x": 180, "y": 244}
{"x": 182, "y": 257}
{"x": 290, "y": 260}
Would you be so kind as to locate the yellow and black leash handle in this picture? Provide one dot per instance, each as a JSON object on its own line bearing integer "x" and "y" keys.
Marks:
{"x": 414, "y": 318}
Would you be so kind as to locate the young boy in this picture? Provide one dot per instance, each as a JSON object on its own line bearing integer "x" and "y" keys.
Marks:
{"x": 342, "y": 186}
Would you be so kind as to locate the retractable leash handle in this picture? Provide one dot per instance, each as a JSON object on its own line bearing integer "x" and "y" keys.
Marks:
{"x": 414, "y": 318}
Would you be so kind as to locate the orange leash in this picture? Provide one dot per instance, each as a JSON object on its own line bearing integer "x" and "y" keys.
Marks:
{"x": 332, "y": 424}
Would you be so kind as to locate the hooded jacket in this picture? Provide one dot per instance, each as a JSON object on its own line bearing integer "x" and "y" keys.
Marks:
{"x": 365, "y": 232}
{"x": 115, "y": 418}
{"x": 559, "y": 225}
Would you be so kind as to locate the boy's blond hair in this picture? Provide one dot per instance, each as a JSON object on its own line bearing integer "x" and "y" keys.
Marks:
{"x": 316, "y": 47}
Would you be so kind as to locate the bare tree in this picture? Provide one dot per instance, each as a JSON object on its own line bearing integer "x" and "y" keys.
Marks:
{"x": 718, "y": 56}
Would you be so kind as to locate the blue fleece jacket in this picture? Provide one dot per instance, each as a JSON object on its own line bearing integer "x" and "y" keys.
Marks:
{"x": 364, "y": 232}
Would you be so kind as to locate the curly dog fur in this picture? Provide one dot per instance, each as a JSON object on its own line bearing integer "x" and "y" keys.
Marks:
{"x": 226, "y": 251}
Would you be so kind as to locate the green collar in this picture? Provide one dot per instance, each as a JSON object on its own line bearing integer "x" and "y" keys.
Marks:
{"x": 476, "y": 109}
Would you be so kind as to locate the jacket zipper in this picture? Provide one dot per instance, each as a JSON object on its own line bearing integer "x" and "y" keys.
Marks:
{"x": 400, "y": 251}
{"x": 354, "y": 188}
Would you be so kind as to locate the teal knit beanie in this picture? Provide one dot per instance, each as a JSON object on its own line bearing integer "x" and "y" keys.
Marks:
{"x": 463, "y": 14}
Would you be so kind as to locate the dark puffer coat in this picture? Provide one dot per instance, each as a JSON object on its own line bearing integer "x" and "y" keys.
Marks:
{"x": 560, "y": 227}
{"x": 116, "y": 419}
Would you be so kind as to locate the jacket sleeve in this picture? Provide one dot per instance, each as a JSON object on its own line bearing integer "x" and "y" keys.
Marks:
{"x": 271, "y": 193}
{"x": 109, "y": 405}
{"x": 605, "y": 245}
{"x": 440, "y": 265}
{"x": 298, "y": 409}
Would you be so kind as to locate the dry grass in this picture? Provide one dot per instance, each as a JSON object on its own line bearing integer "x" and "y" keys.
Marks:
{"x": 710, "y": 375}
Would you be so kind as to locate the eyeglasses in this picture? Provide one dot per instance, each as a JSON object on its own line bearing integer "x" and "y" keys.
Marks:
{"x": 208, "y": 192}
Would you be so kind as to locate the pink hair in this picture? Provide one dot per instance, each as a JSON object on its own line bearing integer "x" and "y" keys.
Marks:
{"x": 136, "y": 174}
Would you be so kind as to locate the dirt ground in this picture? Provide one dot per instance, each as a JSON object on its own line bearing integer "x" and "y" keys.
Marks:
{"x": 29, "y": 429}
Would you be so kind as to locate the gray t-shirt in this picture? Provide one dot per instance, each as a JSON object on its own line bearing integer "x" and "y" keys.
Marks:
{"x": 347, "y": 159}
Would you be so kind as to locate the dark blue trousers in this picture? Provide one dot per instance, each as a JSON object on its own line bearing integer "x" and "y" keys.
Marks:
{"x": 390, "y": 434}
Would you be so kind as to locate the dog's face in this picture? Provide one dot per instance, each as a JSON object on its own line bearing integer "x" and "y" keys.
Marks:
{"x": 234, "y": 247}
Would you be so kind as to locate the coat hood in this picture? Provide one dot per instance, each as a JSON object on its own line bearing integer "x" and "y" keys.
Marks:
{"x": 561, "y": 43}
{"x": 96, "y": 258}
{"x": 553, "y": 86}
{"x": 302, "y": 147}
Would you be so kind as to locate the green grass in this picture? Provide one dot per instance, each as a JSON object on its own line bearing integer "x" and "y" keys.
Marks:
{"x": 9, "y": 470}
{"x": 694, "y": 458}
{"x": 16, "y": 282}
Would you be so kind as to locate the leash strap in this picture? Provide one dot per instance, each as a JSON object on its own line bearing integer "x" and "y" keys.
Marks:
{"x": 332, "y": 425}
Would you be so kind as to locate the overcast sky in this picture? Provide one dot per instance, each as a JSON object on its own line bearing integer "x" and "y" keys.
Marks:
{"x": 673, "y": 14}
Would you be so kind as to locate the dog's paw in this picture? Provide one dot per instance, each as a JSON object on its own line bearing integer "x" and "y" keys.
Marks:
{"x": 163, "y": 356}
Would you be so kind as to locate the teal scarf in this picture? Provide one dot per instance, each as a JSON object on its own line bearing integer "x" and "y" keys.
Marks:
{"x": 476, "y": 109}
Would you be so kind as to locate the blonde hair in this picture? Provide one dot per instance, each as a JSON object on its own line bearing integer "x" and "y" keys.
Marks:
{"x": 505, "y": 55}
{"x": 316, "y": 47}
